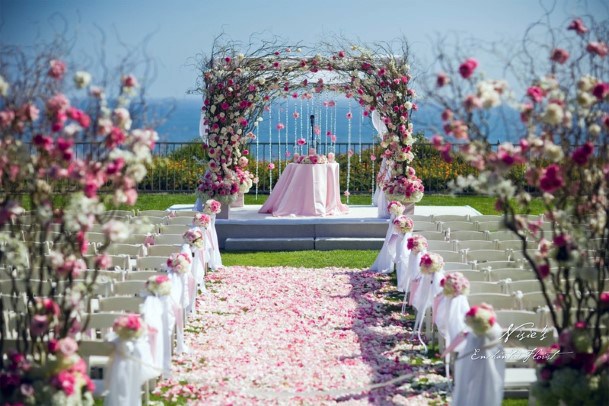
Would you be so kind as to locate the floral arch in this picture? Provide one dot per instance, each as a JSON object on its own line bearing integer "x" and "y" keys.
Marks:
{"x": 238, "y": 86}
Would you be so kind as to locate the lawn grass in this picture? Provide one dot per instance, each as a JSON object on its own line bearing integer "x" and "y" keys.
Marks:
{"x": 306, "y": 259}
{"x": 484, "y": 204}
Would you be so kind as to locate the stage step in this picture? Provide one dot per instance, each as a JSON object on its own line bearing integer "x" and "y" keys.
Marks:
{"x": 269, "y": 244}
{"x": 327, "y": 244}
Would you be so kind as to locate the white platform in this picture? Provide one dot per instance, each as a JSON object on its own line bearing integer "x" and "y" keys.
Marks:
{"x": 250, "y": 213}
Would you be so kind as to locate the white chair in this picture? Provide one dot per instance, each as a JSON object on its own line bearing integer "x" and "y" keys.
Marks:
{"x": 457, "y": 226}
{"x": 517, "y": 318}
{"x": 533, "y": 300}
{"x": 129, "y": 288}
{"x": 450, "y": 256}
{"x": 466, "y": 235}
{"x": 517, "y": 254}
{"x": 98, "y": 238}
{"x": 156, "y": 213}
{"x": 150, "y": 220}
{"x": 502, "y": 235}
{"x": 424, "y": 226}
{"x": 497, "y": 300}
{"x": 486, "y": 217}
{"x": 475, "y": 245}
{"x": 434, "y": 245}
{"x": 432, "y": 235}
{"x": 185, "y": 213}
{"x": 182, "y": 221}
{"x": 456, "y": 266}
{"x": 169, "y": 239}
{"x": 480, "y": 256}
{"x": 135, "y": 238}
{"x": 142, "y": 275}
{"x": 451, "y": 217}
{"x": 512, "y": 244}
{"x": 131, "y": 250}
{"x": 163, "y": 250}
{"x": 122, "y": 304}
{"x": 495, "y": 265}
{"x": 484, "y": 287}
{"x": 173, "y": 229}
{"x": 515, "y": 274}
{"x": 490, "y": 225}
{"x": 157, "y": 263}
{"x": 470, "y": 274}
{"x": 420, "y": 217}
{"x": 121, "y": 261}
{"x": 525, "y": 285}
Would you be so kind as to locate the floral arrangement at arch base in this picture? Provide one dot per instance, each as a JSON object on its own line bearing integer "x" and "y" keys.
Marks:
{"x": 562, "y": 145}
{"x": 41, "y": 170}
{"x": 238, "y": 87}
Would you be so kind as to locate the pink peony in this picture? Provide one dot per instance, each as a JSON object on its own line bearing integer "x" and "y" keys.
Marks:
{"x": 578, "y": 26}
{"x": 64, "y": 381}
{"x": 466, "y": 69}
{"x": 559, "y": 55}
{"x": 551, "y": 179}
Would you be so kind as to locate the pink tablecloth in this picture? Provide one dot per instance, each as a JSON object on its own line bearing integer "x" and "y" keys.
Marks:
{"x": 306, "y": 190}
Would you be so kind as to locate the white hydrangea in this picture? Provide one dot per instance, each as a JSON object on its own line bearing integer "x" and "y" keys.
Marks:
{"x": 82, "y": 79}
{"x": 553, "y": 114}
{"x": 4, "y": 86}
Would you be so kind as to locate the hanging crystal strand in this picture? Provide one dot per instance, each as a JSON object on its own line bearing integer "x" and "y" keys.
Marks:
{"x": 301, "y": 121}
{"x": 326, "y": 127}
{"x": 308, "y": 122}
{"x": 279, "y": 143}
{"x": 335, "y": 127}
{"x": 373, "y": 171}
{"x": 349, "y": 117}
{"x": 270, "y": 136}
{"x": 257, "y": 156}
{"x": 361, "y": 120}
{"x": 287, "y": 130}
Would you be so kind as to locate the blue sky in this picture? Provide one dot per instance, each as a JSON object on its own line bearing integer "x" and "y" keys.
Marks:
{"x": 182, "y": 29}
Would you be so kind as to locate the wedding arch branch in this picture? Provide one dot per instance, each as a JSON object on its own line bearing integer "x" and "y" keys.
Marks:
{"x": 239, "y": 82}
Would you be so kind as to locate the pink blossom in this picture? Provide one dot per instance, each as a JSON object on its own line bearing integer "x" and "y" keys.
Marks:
{"x": 349, "y": 115}
{"x": 301, "y": 141}
{"x": 604, "y": 299}
{"x": 296, "y": 115}
{"x": 582, "y": 154}
{"x": 447, "y": 115}
{"x": 6, "y": 118}
{"x": 29, "y": 112}
{"x": 543, "y": 270}
{"x": 598, "y": 48}
{"x": 280, "y": 126}
{"x": 466, "y": 69}
{"x": 271, "y": 166}
{"x": 39, "y": 325}
{"x": 559, "y": 55}
{"x": 601, "y": 90}
{"x": 471, "y": 103}
{"x": 578, "y": 26}
{"x": 57, "y": 69}
{"x": 346, "y": 193}
{"x": 64, "y": 381}
{"x": 551, "y": 179}
{"x": 350, "y": 153}
{"x": 442, "y": 79}
{"x": 372, "y": 157}
{"x": 536, "y": 94}
{"x": 129, "y": 81}
{"x": 67, "y": 347}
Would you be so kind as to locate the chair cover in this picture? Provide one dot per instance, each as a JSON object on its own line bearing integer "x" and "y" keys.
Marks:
{"x": 159, "y": 315}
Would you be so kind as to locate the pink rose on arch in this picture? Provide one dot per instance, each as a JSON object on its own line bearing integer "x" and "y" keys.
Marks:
{"x": 67, "y": 347}
{"x": 57, "y": 69}
{"x": 598, "y": 48}
{"x": 582, "y": 154}
{"x": 442, "y": 79}
{"x": 601, "y": 90}
{"x": 467, "y": 68}
{"x": 559, "y": 55}
{"x": 551, "y": 179}
{"x": 536, "y": 94}
{"x": 578, "y": 26}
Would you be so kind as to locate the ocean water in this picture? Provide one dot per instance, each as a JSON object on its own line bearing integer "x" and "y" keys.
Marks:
{"x": 182, "y": 124}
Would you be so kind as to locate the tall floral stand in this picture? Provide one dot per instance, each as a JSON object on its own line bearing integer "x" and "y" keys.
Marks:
{"x": 224, "y": 211}
{"x": 240, "y": 200}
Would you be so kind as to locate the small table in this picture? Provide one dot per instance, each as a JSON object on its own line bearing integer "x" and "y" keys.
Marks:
{"x": 306, "y": 190}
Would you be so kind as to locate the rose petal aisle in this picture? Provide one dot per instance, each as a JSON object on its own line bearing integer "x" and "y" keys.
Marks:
{"x": 301, "y": 336}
